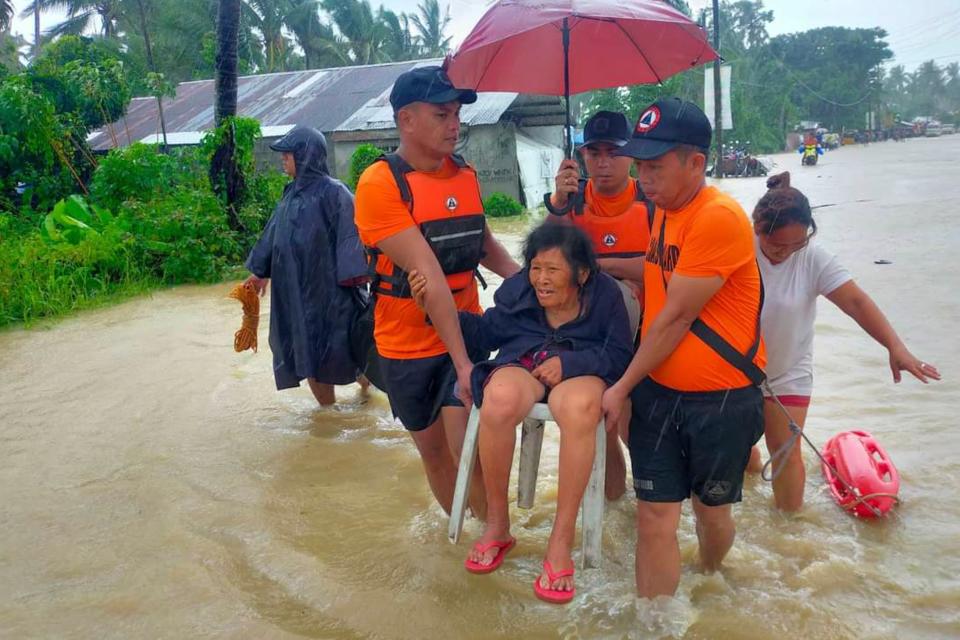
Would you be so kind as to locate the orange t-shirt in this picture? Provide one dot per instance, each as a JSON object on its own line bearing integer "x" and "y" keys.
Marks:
{"x": 711, "y": 236}
{"x": 617, "y": 225}
{"x": 401, "y": 330}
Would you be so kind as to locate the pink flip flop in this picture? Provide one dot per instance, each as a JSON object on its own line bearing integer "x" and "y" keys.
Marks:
{"x": 553, "y": 596}
{"x": 502, "y": 547}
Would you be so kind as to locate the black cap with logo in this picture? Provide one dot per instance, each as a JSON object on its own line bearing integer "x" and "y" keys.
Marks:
{"x": 666, "y": 123}
{"x": 606, "y": 127}
{"x": 427, "y": 84}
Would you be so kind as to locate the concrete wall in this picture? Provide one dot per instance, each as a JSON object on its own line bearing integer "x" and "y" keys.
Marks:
{"x": 492, "y": 150}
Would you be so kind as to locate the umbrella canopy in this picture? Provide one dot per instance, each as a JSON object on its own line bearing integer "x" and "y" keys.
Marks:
{"x": 565, "y": 47}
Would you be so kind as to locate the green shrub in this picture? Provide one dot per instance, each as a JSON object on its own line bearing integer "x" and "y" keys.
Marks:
{"x": 363, "y": 156}
{"x": 141, "y": 172}
{"x": 500, "y": 205}
{"x": 183, "y": 236}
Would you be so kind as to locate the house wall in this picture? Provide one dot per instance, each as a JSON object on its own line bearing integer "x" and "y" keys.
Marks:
{"x": 491, "y": 149}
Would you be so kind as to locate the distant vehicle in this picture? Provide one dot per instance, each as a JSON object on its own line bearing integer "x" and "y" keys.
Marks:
{"x": 831, "y": 140}
{"x": 947, "y": 129}
{"x": 933, "y": 130}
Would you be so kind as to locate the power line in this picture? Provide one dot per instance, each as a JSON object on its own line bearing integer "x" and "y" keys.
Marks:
{"x": 818, "y": 95}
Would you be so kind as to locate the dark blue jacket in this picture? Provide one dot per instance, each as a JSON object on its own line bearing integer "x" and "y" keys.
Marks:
{"x": 598, "y": 343}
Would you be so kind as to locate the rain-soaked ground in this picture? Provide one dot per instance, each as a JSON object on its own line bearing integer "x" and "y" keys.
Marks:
{"x": 153, "y": 485}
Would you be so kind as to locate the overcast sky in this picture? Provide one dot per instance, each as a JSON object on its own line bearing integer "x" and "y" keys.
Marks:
{"x": 917, "y": 31}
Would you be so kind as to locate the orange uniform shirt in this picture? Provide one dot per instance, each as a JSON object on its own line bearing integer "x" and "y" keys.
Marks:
{"x": 617, "y": 225}
{"x": 711, "y": 236}
{"x": 401, "y": 330}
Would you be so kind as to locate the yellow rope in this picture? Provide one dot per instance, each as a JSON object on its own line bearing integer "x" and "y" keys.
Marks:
{"x": 246, "y": 337}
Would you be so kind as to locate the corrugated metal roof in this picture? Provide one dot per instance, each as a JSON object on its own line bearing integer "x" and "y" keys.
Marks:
{"x": 378, "y": 114}
{"x": 321, "y": 98}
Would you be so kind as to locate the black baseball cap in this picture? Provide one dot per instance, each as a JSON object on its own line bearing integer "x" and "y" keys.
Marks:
{"x": 608, "y": 127}
{"x": 427, "y": 84}
{"x": 666, "y": 123}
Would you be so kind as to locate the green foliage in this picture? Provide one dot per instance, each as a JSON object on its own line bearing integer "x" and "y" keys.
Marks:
{"x": 83, "y": 77}
{"x": 363, "y": 156}
{"x": 39, "y": 279}
{"x": 500, "y": 205}
{"x": 32, "y": 152}
{"x": 140, "y": 172}
{"x": 245, "y": 131}
{"x": 73, "y": 220}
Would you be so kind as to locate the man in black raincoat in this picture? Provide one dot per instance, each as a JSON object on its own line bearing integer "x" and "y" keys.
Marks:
{"x": 311, "y": 251}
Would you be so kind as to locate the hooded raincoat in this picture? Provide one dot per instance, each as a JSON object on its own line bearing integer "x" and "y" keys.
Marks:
{"x": 311, "y": 253}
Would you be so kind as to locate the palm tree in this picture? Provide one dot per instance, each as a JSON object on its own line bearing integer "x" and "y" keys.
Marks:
{"x": 269, "y": 18}
{"x": 362, "y": 30}
{"x": 81, "y": 15}
{"x": 400, "y": 44}
{"x": 225, "y": 81}
{"x": 10, "y": 46}
{"x": 322, "y": 46}
{"x": 6, "y": 14}
{"x": 431, "y": 23}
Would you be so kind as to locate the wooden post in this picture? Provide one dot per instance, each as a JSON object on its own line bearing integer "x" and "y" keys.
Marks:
{"x": 717, "y": 93}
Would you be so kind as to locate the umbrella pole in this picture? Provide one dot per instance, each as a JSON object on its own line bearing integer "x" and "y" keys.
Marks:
{"x": 567, "y": 133}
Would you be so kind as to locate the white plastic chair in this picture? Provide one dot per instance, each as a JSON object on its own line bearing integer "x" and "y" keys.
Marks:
{"x": 531, "y": 441}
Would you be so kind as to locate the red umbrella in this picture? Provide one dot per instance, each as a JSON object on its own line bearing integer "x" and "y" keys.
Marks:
{"x": 564, "y": 47}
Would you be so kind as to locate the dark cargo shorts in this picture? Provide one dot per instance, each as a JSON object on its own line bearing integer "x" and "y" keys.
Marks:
{"x": 419, "y": 388}
{"x": 684, "y": 444}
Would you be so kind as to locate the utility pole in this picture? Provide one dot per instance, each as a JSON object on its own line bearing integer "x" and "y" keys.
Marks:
{"x": 717, "y": 93}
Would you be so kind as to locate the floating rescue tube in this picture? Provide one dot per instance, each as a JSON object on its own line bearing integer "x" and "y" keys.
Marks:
{"x": 865, "y": 483}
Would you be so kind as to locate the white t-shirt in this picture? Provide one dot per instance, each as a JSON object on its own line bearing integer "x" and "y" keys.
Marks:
{"x": 791, "y": 290}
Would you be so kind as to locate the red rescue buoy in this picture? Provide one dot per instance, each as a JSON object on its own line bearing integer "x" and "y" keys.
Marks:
{"x": 866, "y": 468}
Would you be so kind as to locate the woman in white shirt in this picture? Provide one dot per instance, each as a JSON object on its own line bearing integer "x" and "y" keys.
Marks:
{"x": 795, "y": 273}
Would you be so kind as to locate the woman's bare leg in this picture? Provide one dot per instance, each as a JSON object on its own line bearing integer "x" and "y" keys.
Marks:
{"x": 507, "y": 399}
{"x": 575, "y": 405}
{"x": 788, "y": 486}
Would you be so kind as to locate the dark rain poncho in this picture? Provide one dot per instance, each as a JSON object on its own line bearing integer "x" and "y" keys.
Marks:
{"x": 312, "y": 255}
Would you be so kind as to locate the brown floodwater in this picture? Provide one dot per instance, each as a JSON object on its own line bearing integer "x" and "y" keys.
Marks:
{"x": 154, "y": 485}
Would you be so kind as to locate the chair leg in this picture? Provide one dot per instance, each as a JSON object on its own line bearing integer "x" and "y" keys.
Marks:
{"x": 591, "y": 510}
{"x": 531, "y": 442}
{"x": 468, "y": 460}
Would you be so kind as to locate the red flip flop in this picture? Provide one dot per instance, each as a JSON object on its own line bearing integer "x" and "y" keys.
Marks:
{"x": 502, "y": 547}
{"x": 553, "y": 596}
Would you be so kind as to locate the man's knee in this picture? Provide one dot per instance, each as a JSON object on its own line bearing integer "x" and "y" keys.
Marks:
{"x": 713, "y": 517}
{"x": 657, "y": 519}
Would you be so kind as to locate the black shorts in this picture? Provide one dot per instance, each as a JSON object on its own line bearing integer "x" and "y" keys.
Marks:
{"x": 419, "y": 388}
{"x": 692, "y": 443}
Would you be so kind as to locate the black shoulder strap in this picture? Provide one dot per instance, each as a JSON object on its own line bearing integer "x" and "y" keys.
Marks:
{"x": 743, "y": 362}
{"x": 399, "y": 168}
{"x": 459, "y": 161}
{"x": 651, "y": 208}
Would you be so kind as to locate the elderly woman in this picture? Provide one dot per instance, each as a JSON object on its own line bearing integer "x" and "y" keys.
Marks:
{"x": 311, "y": 251}
{"x": 562, "y": 330}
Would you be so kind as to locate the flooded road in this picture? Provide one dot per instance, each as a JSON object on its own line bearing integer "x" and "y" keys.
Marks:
{"x": 153, "y": 484}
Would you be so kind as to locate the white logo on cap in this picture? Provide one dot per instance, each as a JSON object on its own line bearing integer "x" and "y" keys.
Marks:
{"x": 649, "y": 120}
{"x": 452, "y": 203}
{"x": 609, "y": 240}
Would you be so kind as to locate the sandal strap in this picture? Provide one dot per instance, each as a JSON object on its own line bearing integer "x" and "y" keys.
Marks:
{"x": 493, "y": 544}
{"x": 553, "y": 577}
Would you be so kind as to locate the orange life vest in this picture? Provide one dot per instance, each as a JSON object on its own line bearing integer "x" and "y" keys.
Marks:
{"x": 624, "y": 236}
{"x": 450, "y": 215}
